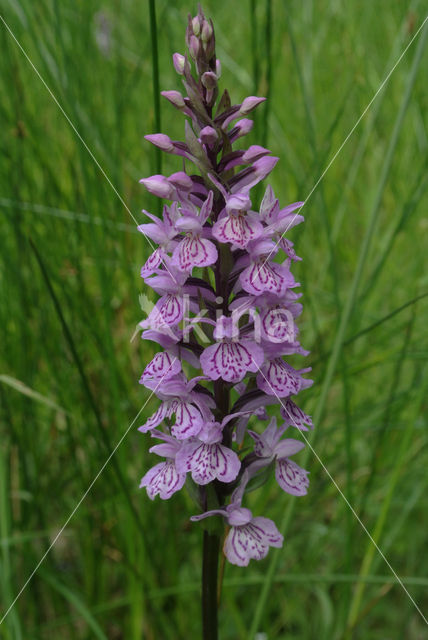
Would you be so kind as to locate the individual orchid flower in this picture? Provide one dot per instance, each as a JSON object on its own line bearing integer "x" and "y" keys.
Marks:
{"x": 249, "y": 537}
{"x": 194, "y": 250}
{"x": 162, "y": 231}
{"x": 169, "y": 309}
{"x": 263, "y": 275}
{"x": 278, "y": 378}
{"x": 230, "y": 358}
{"x": 164, "y": 479}
{"x": 269, "y": 446}
{"x": 236, "y": 224}
{"x": 191, "y": 408}
{"x": 206, "y": 458}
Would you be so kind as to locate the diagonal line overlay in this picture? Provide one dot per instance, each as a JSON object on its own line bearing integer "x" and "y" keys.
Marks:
{"x": 383, "y": 83}
{"x": 355, "y": 514}
{"x": 60, "y": 532}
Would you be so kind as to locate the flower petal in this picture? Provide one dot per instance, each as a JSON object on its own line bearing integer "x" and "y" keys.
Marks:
{"x": 288, "y": 447}
{"x": 152, "y": 263}
{"x": 168, "y": 311}
{"x": 291, "y": 478}
{"x": 231, "y": 360}
{"x": 251, "y": 541}
{"x": 162, "y": 367}
{"x": 163, "y": 479}
{"x": 263, "y": 275}
{"x": 279, "y": 378}
{"x": 270, "y": 531}
{"x": 278, "y": 325}
{"x": 156, "y": 418}
{"x": 194, "y": 251}
{"x": 237, "y": 229}
{"x": 188, "y": 420}
{"x": 207, "y": 462}
{"x": 241, "y": 546}
{"x": 294, "y": 416}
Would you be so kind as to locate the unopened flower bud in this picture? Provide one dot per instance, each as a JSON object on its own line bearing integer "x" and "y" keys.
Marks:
{"x": 179, "y": 62}
{"x": 175, "y": 98}
{"x": 209, "y": 80}
{"x": 218, "y": 68}
{"x": 254, "y": 153}
{"x": 159, "y": 186}
{"x": 181, "y": 180}
{"x": 162, "y": 141}
{"x": 207, "y": 31}
{"x": 241, "y": 128}
{"x": 196, "y": 25}
{"x": 245, "y": 125}
{"x": 194, "y": 47}
{"x": 249, "y": 104}
{"x": 208, "y": 135}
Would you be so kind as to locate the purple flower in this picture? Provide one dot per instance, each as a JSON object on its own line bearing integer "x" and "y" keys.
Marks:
{"x": 225, "y": 321}
{"x": 194, "y": 250}
{"x": 191, "y": 409}
{"x": 269, "y": 446}
{"x": 206, "y": 458}
{"x": 164, "y": 478}
{"x": 249, "y": 537}
{"x": 230, "y": 359}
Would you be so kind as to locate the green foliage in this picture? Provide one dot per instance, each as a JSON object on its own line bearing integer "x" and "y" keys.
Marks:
{"x": 125, "y": 567}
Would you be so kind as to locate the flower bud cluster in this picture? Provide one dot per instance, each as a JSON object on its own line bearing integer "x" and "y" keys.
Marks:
{"x": 224, "y": 266}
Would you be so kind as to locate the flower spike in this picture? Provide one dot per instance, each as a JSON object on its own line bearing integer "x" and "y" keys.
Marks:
{"x": 225, "y": 321}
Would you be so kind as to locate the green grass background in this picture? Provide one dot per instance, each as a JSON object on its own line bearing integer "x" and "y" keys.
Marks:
{"x": 125, "y": 567}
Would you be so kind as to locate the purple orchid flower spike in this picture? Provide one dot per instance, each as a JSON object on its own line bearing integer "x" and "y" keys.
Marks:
{"x": 225, "y": 321}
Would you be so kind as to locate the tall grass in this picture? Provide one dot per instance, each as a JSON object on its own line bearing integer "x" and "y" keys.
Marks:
{"x": 69, "y": 280}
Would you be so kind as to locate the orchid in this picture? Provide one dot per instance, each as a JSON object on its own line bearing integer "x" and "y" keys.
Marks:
{"x": 225, "y": 320}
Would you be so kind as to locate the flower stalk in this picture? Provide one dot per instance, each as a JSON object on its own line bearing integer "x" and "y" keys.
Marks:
{"x": 210, "y": 557}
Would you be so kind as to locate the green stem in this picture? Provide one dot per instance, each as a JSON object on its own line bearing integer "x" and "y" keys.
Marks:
{"x": 155, "y": 73}
{"x": 209, "y": 586}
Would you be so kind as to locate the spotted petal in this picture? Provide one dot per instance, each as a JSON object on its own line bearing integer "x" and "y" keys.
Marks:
{"x": 208, "y": 462}
{"x": 278, "y": 325}
{"x": 237, "y": 229}
{"x": 163, "y": 479}
{"x": 294, "y": 416}
{"x": 194, "y": 251}
{"x": 167, "y": 312}
{"x": 231, "y": 360}
{"x": 152, "y": 263}
{"x": 156, "y": 418}
{"x": 188, "y": 419}
{"x": 291, "y": 478}
{"x": 162, "y": 367}
{"x": 263, "y": 275}
{"x": 280, "y": 379}
{"x": 251, "y": 541}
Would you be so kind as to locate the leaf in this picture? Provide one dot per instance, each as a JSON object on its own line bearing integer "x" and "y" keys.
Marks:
{"x": 30, "y": 393}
